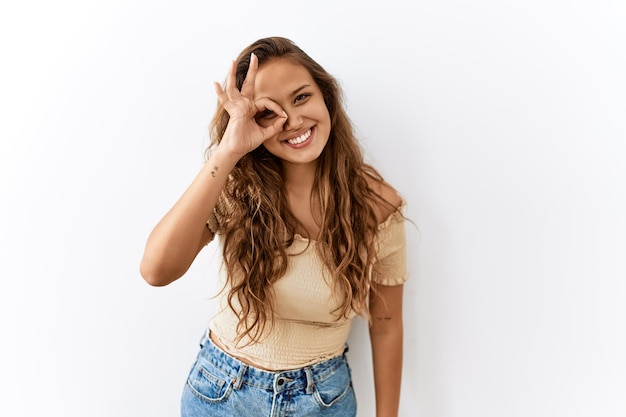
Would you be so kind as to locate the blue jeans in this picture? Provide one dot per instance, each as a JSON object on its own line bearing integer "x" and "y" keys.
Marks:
{"x": 222, "y": 386}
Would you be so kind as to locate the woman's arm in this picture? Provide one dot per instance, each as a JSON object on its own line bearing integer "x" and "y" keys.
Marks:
{"x": 386, "y": 334}
{"x": 178, "y": 237}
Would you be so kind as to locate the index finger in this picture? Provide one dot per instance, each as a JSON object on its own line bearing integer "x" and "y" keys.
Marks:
{"x": 247, "y": 88}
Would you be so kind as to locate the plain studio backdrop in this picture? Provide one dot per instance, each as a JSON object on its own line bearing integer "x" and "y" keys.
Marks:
{"x": 501, "y": 122}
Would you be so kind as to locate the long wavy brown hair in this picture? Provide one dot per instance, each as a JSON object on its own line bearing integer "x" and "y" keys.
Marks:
{"x": 258, "y": 227}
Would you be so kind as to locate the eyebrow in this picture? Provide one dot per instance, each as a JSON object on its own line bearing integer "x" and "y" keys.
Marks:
{"x": 297, "y": 90}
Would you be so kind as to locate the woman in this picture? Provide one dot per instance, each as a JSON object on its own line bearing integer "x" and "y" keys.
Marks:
{"x": 310, "y": 235}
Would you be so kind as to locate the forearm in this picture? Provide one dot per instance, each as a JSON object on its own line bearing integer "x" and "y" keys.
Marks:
{"x": 387, "y": 363}
{"x": 176, "y": 239}
{"x": 386, "y": 334}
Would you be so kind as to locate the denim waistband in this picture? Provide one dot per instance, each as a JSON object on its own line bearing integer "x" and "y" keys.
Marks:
{"x": 279, "y": 381}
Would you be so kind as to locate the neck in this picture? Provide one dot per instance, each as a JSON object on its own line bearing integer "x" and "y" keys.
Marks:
{"x": 299, "y": 178}
{"x": 303, "y": 202}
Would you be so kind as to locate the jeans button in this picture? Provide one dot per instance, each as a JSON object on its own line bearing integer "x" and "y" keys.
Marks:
{"x": 280, "y": 381}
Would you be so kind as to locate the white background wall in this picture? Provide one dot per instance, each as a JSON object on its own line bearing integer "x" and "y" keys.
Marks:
{"x": 502, "y": 123}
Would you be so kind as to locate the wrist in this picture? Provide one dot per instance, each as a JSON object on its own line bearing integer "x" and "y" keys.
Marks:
{"x": 223, "y": 158}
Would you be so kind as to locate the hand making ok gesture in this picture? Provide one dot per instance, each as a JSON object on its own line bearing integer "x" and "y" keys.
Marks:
{"x": 243, "y": 134}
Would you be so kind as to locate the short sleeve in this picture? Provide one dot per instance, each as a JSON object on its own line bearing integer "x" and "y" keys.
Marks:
{"x": 215, "y": 220}
{"x": 391, "y": 267}
{"x": 213, "y": 223}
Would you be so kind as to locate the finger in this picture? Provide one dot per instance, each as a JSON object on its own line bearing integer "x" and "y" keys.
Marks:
{"x": 231, "y": 80}
{"x": 274, "y": 124}
{"x": 218, "y": 88}
{"x": 247, "y": 88}
{"x": 224, "y": 100}
{"x": 275, "y": 127}
{"x": 264, "y": 103}
{"x": 221, "y": 94}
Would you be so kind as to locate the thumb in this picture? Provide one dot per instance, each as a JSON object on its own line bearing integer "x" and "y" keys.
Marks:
{"x": 276, "y": 126}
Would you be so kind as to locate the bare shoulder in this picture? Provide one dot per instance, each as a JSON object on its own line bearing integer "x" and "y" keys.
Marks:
{"x": 392, "y": 200}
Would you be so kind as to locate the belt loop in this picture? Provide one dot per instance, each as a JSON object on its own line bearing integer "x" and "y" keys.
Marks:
{"x": 203, "y": 339}
{"x": 309, "y": 380}
{"x": 239, "y": 378}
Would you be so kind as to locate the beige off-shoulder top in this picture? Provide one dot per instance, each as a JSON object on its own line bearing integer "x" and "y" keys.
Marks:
{"x": 305, "y": 330}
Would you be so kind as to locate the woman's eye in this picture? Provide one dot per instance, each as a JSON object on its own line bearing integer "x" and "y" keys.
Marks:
{"x": 264, "y": 114}
{"x": 301, "y": 97}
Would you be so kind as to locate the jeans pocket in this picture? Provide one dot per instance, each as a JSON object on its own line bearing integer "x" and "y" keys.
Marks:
{"x": 334, "y": 388}
{"x": 208, "y": 384}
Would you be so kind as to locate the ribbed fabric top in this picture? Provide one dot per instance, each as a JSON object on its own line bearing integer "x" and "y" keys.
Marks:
{"x": 305, "y": 330}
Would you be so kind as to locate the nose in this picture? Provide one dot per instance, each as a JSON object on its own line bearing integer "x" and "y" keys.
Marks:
{"x": 294, "y": 120}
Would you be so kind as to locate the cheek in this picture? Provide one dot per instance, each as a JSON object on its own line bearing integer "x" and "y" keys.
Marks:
{"x": 264, "y": 122}
{"x": 326, "y": 117}
{"x": 327, "y": 123}
{"x": 271, "y": 146}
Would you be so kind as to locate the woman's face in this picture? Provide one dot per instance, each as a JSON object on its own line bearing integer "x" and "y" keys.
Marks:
{"x": 306, "y": 131}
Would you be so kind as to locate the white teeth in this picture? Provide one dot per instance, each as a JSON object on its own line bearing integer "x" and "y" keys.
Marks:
{"x": 300, "y": 139}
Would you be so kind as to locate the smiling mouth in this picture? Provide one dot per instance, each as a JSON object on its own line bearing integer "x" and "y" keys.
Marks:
{"x": 300, "y": 139}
